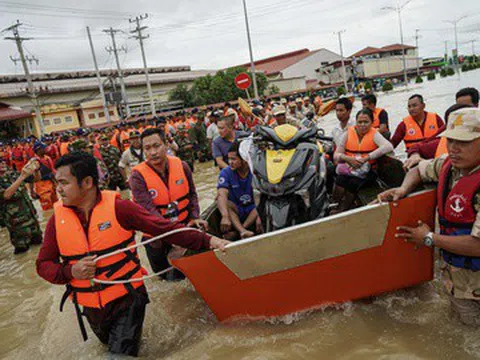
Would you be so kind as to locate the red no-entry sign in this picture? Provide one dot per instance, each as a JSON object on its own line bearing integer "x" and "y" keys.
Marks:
{"x": 243, "y": 81}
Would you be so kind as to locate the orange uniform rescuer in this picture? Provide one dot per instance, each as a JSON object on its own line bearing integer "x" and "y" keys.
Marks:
{"x": 89, "y": 224}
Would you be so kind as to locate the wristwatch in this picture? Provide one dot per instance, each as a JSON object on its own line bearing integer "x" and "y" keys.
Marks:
{"x": 428, "y": 240}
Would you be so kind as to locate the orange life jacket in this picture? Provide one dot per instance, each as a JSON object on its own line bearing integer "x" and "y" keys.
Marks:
{"x": 414, "y": 133}
{"x": 64, "y": 148}
{"x": 124, "y": 138}
{"x": 376, "y": 117}
{"x": 177, "y": 190}
{"x": 442, "y": 147}
{"x": 114, "y": 140}
{"x": 356, "y": 147}
{"x": 105, "y": 235}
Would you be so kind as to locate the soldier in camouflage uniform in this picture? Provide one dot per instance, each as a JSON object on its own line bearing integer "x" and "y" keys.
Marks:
{"x": 198, "y": 136}
{"x": 111, "y": 156}
{"x": 18, "y": 213}
{"x": 185, "y": 146}
{"x": 103, "y": 175}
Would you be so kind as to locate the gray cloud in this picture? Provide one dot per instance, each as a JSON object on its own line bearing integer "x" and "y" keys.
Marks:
{"x": 210, "y": 34}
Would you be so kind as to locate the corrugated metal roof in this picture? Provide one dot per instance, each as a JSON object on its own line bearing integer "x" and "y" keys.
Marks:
{"x": 82, "y": 84}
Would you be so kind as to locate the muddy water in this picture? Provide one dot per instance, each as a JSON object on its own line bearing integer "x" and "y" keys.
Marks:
{"x": 413, "y": 323}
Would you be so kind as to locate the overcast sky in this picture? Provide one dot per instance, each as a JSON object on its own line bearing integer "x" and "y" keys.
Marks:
{"x": 210, "y": 34}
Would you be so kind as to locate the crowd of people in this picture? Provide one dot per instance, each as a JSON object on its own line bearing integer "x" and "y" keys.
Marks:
{"x": 155, "y": 160}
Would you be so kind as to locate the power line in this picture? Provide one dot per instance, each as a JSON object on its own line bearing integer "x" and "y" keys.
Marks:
{"x": 31, "y": 88}
{"x": 140, "y": 37}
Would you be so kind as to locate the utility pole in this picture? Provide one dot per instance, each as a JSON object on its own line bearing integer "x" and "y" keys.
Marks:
{"x": 446, "y": 52}
{"x": 398, "y": 8}
{"x": 138, "y": 30}
{"x": 31, "y": 88}
{"x": 344, "y": 71}
{"x": 100, "y": 84}
{"x": 418, "y": 51}
{"x": 115, "y": 51}
{"x": 455, "y": 56}
{"x": 252, "y": 63}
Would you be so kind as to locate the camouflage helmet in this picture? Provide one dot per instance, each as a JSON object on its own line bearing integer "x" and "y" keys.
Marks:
{"x": 79, "y": 145}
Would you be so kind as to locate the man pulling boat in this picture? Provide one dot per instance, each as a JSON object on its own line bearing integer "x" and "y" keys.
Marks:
{"x": 88, "y": 223}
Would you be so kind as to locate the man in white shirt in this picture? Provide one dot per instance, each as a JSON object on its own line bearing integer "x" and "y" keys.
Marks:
{"x": 133, "y": 155}
{"x": 212, "y": 130}
{"x": 343, "y": 109}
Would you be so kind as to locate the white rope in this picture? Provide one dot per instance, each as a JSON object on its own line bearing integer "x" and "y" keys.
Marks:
{"x": 142, "y": 243}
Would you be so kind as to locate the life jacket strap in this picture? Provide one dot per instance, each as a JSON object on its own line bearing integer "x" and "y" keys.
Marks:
{"x": 100, "y": 252}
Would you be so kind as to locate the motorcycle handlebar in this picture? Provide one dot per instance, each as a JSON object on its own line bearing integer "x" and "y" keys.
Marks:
{"x": 325, "y": 138}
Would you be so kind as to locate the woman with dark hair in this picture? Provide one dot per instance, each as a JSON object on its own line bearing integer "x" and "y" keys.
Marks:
{"x": 356, "y": 155}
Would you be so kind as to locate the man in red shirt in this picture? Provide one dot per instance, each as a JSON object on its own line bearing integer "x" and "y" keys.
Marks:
{"x": 427, "y": 149}
{"x": 52, "y": 149}
{"x": 117, "y": 323}
{"x": 418, "y": 126}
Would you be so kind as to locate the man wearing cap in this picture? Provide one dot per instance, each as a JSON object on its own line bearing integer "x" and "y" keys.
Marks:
{"x": 18, "y": 213}
{"x": 299, "y": 108}
{"x": 111, "y": 156}
{"x": 292, "y": 113}
{"x": 212, "y": 129}
{"x": 132, "y": 156}
{"x": 44, "y": 184}
{"x": 52, "y": 149}
{"x": 198, "y": 136}
{"x": 185, "y": 146}
{"x": 279, "y": 112}
{"x": 458, "y": 194}
{"x": 307, "y": 106}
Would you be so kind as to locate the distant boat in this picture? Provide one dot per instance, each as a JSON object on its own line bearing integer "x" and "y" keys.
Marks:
{"x": 330, "y": 105}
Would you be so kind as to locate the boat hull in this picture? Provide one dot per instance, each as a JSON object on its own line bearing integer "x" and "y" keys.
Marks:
{"x": 253, "y": 280}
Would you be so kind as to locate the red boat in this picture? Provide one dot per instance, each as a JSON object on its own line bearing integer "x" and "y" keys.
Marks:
{"x": 340, "y": 258}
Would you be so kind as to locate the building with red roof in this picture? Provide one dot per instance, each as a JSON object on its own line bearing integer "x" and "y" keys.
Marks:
{"x": 11, "y": 117}
{"x": 372, "y": 62}
{"x": 294, "y": 70}
{"x": 385, "y": 51}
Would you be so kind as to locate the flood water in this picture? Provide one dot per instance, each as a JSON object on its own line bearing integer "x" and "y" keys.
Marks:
{"x": 413, "y": 323}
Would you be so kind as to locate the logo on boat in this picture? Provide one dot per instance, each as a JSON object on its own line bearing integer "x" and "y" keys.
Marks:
{"x": 411, "y": 132}
{"x": 153, "y": 193}
{"x": 458, "y": 202}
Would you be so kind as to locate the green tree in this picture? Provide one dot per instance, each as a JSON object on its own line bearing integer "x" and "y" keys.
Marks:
{"x": 387, "y": 87}
{"x": 418, "y": 80}
{"x": 273, "y": 90}
{"x": 216, "y": 89}
{"x": 181, "y": 93}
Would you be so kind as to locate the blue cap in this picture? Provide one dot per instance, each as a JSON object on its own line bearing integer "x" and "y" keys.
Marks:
{"x": 39, "y": 145}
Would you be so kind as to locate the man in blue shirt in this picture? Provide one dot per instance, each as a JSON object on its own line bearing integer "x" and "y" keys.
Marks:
{"x": 235, "y": 198}
{"x": 222, "y": 144}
